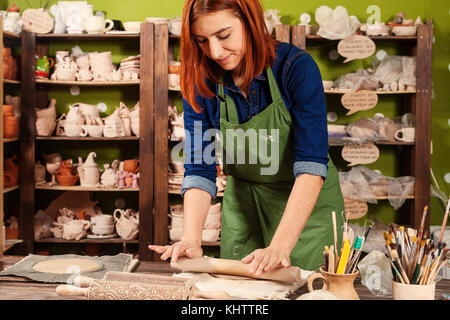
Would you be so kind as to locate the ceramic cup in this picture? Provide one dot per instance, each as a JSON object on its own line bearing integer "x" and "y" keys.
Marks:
{"x": 132, "y": 26}
{"x": 102, "y": 220}
{"x": 98, "y": 25}
{"x": 406, "y": 134}
{"x": 75, "y": 130}
{"x": 102, "y": 230}
{"x": 401, "y": 291}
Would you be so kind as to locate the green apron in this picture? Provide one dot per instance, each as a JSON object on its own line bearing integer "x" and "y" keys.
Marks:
{"x": 254, "y": 203}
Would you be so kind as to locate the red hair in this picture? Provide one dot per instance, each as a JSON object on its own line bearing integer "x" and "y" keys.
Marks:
{"x": 259, "y": 48}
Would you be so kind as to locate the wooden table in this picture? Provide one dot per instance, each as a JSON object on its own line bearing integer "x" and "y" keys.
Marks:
{"x": 24, "y": 289}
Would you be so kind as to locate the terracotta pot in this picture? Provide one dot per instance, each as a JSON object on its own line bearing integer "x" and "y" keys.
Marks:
{"x": 8, "y": 109}
{"x": 131, "y": 166}
{"x": 11, "y": 172}
{"x": 66, "y": 168}
{"x": 173, "y": 68}
{"x": 66, "y": 181}
{"x": 11, "y": 233}
{"x": 10, "y": 127}
{"x": 81, "y": 215}
{"x": 8, "y": 62}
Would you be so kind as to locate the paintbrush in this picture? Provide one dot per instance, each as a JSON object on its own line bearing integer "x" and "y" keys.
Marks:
{"x": 424, "y": 261}
{"x": 333, "y": 218}
{"x": 427, "y": 266}
{"x": 331, "y": 260}
{"x": 441, "y": 264}
{"x": 395, "y": 270}
{"x": 433, "y": 267}
{"x": 402, "y": 270}
{"x": 419, "y": 237}
{"x": 444, "y": 224}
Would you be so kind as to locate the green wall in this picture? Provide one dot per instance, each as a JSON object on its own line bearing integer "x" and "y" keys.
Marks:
{"x": 438, "y": 10}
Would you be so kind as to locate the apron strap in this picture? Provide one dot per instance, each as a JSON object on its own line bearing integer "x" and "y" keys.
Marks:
{"x": 274, "y": 91}
{"x": 227, "y": 107}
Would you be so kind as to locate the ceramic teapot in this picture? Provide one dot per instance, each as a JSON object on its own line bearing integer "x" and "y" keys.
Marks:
{"x": 113, "y": 125}
{"x": 127, "y": 225}
{"x": 66, "y": 70}
{"x": 88, "y": 171}
{"x": 75, "y": 116}
{"x": 43, "y": 65}
{"x": 110, "y": 177}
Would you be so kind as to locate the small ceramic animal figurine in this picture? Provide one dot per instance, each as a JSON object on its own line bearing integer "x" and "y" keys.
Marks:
{"x": 65, "y": 71}
{"x": 271, "y": 18}
{"x": 122, "y": 176}
{"x": 84, "y": 65}
{"x": 135, "y": 181}
{"x": 43, "y": 65}
{"x": 110, "y": 177}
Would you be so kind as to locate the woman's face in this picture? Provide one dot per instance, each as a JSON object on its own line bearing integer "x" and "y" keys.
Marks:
{"x": 221, "y": 38}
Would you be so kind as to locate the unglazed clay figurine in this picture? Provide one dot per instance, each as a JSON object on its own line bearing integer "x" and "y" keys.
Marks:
{"x": 84, "y": 65}
{"x": 110, "y": 177}
{"x": 65, "y": 71}
{"x": 88, "y": 171}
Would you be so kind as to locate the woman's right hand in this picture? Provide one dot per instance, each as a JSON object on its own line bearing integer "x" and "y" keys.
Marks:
{"x": 181, "y": 248}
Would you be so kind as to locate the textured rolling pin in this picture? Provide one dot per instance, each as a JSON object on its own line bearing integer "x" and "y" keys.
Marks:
{"x": 235, "y": 268}
{"x": 128, "y": 286}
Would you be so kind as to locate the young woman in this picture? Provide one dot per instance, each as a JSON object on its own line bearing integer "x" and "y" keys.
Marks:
{"x": 235, "y": 77}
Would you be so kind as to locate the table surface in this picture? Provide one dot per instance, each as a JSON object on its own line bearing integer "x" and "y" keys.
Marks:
{"x": 17, "y": 288}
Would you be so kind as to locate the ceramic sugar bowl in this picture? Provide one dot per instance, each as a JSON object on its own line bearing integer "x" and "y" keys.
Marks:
{"x": 110, "y": 177}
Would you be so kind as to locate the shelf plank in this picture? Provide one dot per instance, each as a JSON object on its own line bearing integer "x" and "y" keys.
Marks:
{"x": 343, "y": 91}
{"x": 64, "y": 138}
{"x": 86, "y": 240}
{"x": 85, "y": 36}
{"x": 375, "y": 38}
{"x": 348, "y": 141}
{"x": 11, "y": 35}
{"x": 11, "y": 243}
{"x": 387, "y": 198}
{"x": 8, "y": 81}
{"x": 80, "y": 188}
{"x": 10, "y": 140}
{"x": 89, "y": 83}
{"x": 9, "y": 189}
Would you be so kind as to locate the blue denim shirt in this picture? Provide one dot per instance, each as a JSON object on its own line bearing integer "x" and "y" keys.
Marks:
{"x": 300, "y": 85}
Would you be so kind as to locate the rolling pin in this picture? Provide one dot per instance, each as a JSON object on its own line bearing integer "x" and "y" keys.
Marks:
{"x": 235, "y": 268}
{"x": 119, "y": 290}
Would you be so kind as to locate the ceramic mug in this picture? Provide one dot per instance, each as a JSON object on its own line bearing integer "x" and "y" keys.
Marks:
{"x": 75, "y": 130}
{"x": 131, "y": 166}
{"x": 406, "y": 134}
{"x": 98, "y": 25}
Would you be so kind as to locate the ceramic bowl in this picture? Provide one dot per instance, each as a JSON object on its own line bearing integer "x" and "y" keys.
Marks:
{"x": 66, "y": 181}
{"x": 132, "y": 26}
{"x": 102, "y": 230}
{"x": 404, "y": 30}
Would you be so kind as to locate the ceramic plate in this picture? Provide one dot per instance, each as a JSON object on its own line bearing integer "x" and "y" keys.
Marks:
{"x": 97, "y": 236}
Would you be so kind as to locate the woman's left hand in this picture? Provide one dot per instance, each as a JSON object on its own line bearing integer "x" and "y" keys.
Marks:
{"x": 267, "y": 259}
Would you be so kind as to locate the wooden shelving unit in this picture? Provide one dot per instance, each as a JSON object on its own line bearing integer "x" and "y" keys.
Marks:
{"x": 10, "y": 39}
{"x": 414, "y": 158}
{"x": 37, "y": 94}
{"x": 164, "y": 52}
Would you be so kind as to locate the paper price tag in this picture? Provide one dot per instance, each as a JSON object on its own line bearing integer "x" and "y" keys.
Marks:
{"x": 360, "y": 154}
{"x": 356, "y": 208}
{"x": 37, "y": 20}
{"x": 358, "y": 101}
{"x": 356, "y": 47}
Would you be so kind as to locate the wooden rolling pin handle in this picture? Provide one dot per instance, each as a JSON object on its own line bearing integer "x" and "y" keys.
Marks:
{"x": 71, "y": 291}
{"x": 214, "y": 295}
{"x": 82, "y": 281}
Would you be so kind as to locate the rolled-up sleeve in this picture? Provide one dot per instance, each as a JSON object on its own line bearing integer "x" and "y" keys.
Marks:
{"x": 200, "y": 165}
{"x": 309, "y": 116}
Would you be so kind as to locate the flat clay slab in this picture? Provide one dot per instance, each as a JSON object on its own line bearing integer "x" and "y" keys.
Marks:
{"x": 64, "y": 266}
